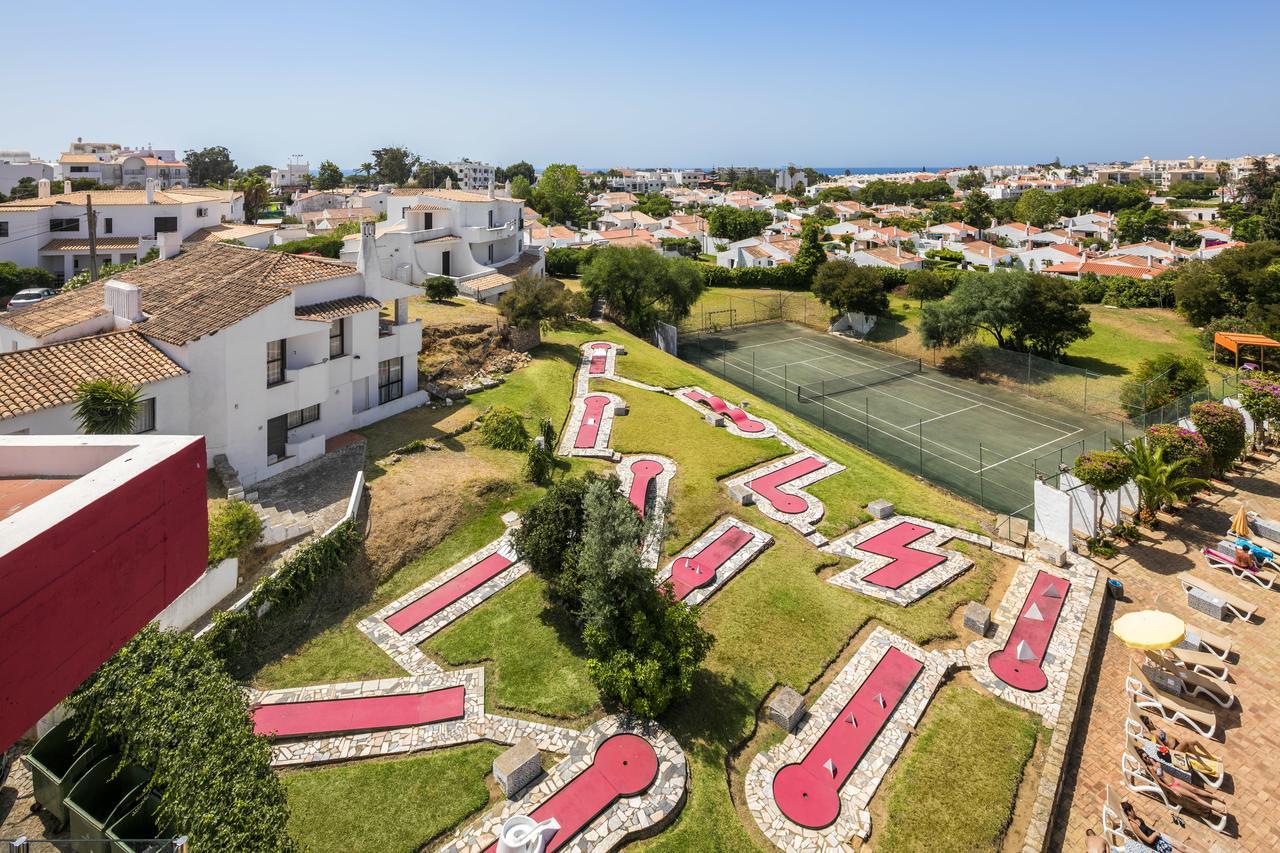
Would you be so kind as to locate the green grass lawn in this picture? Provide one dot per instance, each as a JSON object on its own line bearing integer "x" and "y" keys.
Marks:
{"x": 1122, "y": 337}
{"x": 388, "y": 805}
{"x": 955, "y": 788}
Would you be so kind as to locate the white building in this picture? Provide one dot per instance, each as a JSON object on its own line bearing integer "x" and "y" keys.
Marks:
{"x": 475, "y": 238}
{"x": 474, "y": 175}
{"x": 16, "y": 165}
{"x": 291, "y": 177}
{"x": 52, "y": 231}
{"x": 114, "y": 166}
{"x": 266, "y": 354}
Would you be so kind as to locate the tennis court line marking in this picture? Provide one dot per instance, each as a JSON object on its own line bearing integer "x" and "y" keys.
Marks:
{"x": 1032, "y": 450}
{"x": 770, "y": 343}
{"x": 949, "y": 414}
{"x": 946, "y": 389}
{"x": 873, "y": 389}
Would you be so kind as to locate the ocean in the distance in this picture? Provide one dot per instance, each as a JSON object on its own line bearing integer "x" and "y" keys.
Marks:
{"x": 875, "y": 170}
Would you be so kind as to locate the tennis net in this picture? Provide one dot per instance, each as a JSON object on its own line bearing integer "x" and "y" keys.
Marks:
{"x": 815, "y": 391}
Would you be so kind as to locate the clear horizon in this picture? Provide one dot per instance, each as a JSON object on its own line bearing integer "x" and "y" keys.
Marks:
{"x": 578, "y": 83}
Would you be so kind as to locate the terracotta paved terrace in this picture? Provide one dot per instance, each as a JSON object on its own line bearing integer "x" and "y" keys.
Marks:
{"x": 1249, "y": 741}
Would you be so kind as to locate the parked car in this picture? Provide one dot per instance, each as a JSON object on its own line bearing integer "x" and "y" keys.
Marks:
{"x": 30, "y": 296}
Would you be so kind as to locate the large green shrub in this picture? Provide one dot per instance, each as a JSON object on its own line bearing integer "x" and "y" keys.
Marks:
{"x": 164, "y": 702}
{"x": 438, "y": 288}
{"x": 1104, "y": 471}
{"x": 1223, "y": 430}
{"x": 503, "y": 429}
{"x": 1092, "y": 289}
{"x": 1161, "y": 380}
{"x": 233, "y": 528}
{"x": 1180, "y": 443}
{"x": 1260, "y": 396}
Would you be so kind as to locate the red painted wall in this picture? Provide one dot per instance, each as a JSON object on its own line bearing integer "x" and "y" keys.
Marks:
{"x": 77, "y": 592}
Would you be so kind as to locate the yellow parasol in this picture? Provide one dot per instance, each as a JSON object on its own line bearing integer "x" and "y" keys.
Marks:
{"x": 1240, "y": 524}
{"x": 1150, "y": 629}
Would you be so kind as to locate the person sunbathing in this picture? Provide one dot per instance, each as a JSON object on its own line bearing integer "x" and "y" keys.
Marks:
{"x": 1245, "y": 559}
{"x": 1143, "y": 833}
{"x": 1177, "y": 789}
{"x": 1192, "y": 747}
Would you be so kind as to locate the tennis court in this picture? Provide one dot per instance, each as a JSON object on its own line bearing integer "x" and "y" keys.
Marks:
{"x": 975, "y": 439}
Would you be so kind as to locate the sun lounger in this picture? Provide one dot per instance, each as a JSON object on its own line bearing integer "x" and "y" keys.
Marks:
{"x": 1195, "y": 684}
{"x": 1265, "y": 528}
{"x": 1215, "y": 644}
{"x": 1205, "y": 766}
{"x": 1264, "y": 576}
{"x": 1241, "y": 607}
{"x": 1115, "y": 830}
{"x": 1204, "y": 663}
{"x": 1138, "y": 780}
{"x": 1195, "y": 716}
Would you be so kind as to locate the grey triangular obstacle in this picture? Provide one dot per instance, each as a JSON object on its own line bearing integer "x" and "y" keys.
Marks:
{"x": 830, "y": 767}
{"x": 1033, "y": 613}
{"x": 853, "y": 721}
{"x": 880, "y": 699}
{"x": 1024, "y": 651}
{"x": 1051, "y": 591}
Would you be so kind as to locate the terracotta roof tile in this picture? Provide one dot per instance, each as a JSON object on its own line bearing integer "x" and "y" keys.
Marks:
{"x": 335, "y": 308}
{"x": 44, "y": 377}
{"x": 81, "y": 244}
{"x": 225, "y": 231}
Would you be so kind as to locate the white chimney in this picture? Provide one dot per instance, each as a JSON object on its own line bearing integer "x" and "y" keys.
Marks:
{"x": 124, "y": 301}
{"x": 42, "y": 188}
{"x": 448, "y": 182}
{"x": 491, "y": 189}
{"x": 66, "y": 186}
{"x": 151, "y": 190}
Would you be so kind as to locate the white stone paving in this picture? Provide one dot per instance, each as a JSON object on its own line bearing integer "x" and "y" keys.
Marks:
{"x": 759, "y": 541}
{"x": 854, "y": 820}
{"x": 940, "y": 575}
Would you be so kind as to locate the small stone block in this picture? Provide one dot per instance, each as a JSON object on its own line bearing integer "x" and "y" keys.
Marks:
{"x": 785, "y": 709}
{"x": 517, "y": 767}
{"x": 510, "y": 518}
{"x": 1052, "y": 553}
{"x": 881, "y": 509}
{"x": 977, "y": 618}
{"x": 741, "y": 494}
{"x": 714, "y": 419}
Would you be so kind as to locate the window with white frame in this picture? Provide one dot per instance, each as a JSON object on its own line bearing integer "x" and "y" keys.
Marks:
{"x": 146, "y": 417}
{"x": 390, "y": 380}
{"x": 337, "y": 339}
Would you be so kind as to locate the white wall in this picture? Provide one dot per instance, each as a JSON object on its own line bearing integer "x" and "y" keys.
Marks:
{"x": 1053, "y": 514}
{"x": 172, "y": 398}
{"x": 198, "y": 599}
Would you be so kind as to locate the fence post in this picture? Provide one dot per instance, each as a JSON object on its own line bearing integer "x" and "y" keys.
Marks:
{"x": 982, "y": 498}
{"x": 785, "y": 402}
{"x": 920, "y": 443}
{"x": 866, "y": 418}
{"x": 824, "y": 403}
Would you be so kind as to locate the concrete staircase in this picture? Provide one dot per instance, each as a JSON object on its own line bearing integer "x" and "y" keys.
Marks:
{"x": 279, "y": 524}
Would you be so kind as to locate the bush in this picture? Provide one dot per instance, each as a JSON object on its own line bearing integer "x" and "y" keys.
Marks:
{"x": 1222, "y": 428}
{"x": 566, "y": 262}
{"x": 538, "y": 465}
{"x": 1180, "y": 443}
{"x": 1124, "y": 292}
{"x": 234, "y": 528}
{"x": 503, "y": 429}
{"x": 1161, "y": 380}
{"x": 439, "y": 288}
{"x": 1091, "y": 288}
{"x": 550, "y": 536}
{"x": 1260, "y": 396}
{"x": 1103, "y": 470}
{"x": 327, "y": 245}
{"x": 14, "y": 278}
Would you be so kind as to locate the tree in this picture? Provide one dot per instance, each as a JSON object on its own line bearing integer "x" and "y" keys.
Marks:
{"x": 394, "y": 164}
{"x": 367, "y": 169}
{"x": 559, "y": 195}
{"x": 1160, "y": 480}
{"x": 209, "y": 165}
{"x": 1036, "y": 207}
{"x": 521, "y": 169}
{"x": 534, "y": 300}
{"x": 1102, "y": 197}
{"x": 1257, "y": 186}
{"x": 810, "y": 256}
{"x": 432, "y": 174}
{"x": 328, "y": 176}
{"x": 656, "y": 205}
{"x": 106, "y": 407}
{"x": 1260, "y": 397}
{"x": 256, "y": 192}
{"x": 640, "y": 286}
{"x": 927, "y": 286}
{"x": 1269, "y": 227}
{"x": 1161, "y": 380}
{"x": 263, "y": 170}
{"x": 830, "y": 194}
{"x": 1200, "y": 292}
{"x": 850, "y": 289}
{"x": 733, "y": 224}
{"x": 438, "y": 288}
{"x": 1223, "y": 429}
{"x": 1198, "y": 190}
{"x": 520, "y": 187}
{"x": 1135, "y": 226}
{"x": 1104, "y": 471}
{"x": 550, "y": 536}
{"x": 970, "y": 181}
{"x": 977, "y": 209}
{"x": 14, "y": 278}
{"x": 1020, "y": 310}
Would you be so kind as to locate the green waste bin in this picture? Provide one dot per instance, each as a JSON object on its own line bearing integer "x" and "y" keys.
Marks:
{"x": 101, "y": 797}
{"x": 139, "y": 830}
{"x": 57, "y": 762}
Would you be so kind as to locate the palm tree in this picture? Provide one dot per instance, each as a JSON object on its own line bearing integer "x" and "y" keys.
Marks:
{"x": 1159, "y": 481}
{"x": 256, "y": 191}
{"x": 367, "y": 168}
{"x": 106, "y": 407}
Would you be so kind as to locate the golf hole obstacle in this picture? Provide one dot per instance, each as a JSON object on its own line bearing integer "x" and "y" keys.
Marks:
{"x": 737, "y": 416}
{"x": 1019, "y": 663}
{"x": 811, "y": 791}
{"x": 713, "y": 559}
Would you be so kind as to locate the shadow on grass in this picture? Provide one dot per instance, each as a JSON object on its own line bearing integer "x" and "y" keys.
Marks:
{"x": 1095, "y": 365}
{"x": 713, "y": 720}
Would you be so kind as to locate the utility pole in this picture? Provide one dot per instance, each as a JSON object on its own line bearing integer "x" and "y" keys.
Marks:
{"x": 93, "y": 237}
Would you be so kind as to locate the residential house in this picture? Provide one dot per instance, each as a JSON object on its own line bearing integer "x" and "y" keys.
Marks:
{"x": 253, "y": 236}
{"x": 1162, "y": 253}
{"x": 1051, "y": 237}
{"x": 550, "y": 236}
{"x": 294, "y": 176}
{"x": 954, "y": 232}
{"x": 114, "y": 166}
{"x": 1094, "y": 224}
{"x": 474, "y": 175}
{"x": 759, "y": 252}
{"x": 1212, "y": 250}
{"x": 16, "y": 165}
{"x": 1017, "y": 234}
{"x": 626, "y": 219}
{"x": 1103, "y": 267}
{"x": 893, "y": 257}
{"x": 320, "y": 221}
{"x": 52, "y": 231}
{"x": 1214, "y": 234}
{"x": 375, "y": 200}
{"x": 268, "y": 355}
{"x": 979, "y": 253}
{"x": 1036, "y": 258}
{"x": 612, "y": 202}
{"x": 310, "y": 202}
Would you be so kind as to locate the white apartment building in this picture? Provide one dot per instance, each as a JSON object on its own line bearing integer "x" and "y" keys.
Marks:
{"x": 474, "y": 175}
{"x": 114, "y": 166}
{"x": 475, "y": 238}
{"x": 291, "y": 177}
{"x": 16, "y": 165}
{"x": 266, "y": 354}
{"x": 52, "y": 231}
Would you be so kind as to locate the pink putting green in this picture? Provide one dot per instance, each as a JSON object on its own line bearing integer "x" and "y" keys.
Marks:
{"x": 1020, "y": 663}
{"x": 643, "y": 472}
{"x": 906, "y": 563}
{"x": 599, "y": 359}
{"x": 690, "y": 573}
{"x": 589, "y": 429}
{"x": 741, "y": 419}
{"x": 623, "y": 766}
{"x": 808, "y": 792}
{"x": 335, "y": 716}
{"x": 421, "y": 609}
{"x": 766, "y": 487}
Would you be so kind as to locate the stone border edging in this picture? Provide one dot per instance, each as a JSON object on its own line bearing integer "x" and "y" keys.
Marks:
{"x": 759, "y": 542}
{"x": 918, "y": 587}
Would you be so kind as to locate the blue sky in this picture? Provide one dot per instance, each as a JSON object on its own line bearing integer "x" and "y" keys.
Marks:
{"x": 688, "y": 83}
